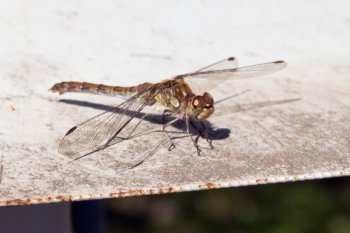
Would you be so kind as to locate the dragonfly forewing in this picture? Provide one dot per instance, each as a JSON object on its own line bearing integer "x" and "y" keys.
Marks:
{"x": 228, "y": 63}
{"x": 206, "y": 79}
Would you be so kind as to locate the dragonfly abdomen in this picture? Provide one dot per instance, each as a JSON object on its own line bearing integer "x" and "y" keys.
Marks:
{"x": 92, "y": 88}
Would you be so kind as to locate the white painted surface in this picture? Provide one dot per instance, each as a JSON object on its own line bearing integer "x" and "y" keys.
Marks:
{"x": 130, "y": 42}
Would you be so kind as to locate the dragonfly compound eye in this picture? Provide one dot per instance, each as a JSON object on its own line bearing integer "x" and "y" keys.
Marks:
{"x": 208, "y": 100}
{"x": 205, "y": 105}
{"x": 198, "y": 102}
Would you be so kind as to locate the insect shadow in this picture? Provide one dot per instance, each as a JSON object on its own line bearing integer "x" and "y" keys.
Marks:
{"x": 213, "y": 132}
{"x": 158, "y": 119}
{"x": 196, "y": 129}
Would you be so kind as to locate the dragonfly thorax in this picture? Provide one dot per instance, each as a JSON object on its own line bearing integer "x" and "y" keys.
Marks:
{"x": 201, "y": 106}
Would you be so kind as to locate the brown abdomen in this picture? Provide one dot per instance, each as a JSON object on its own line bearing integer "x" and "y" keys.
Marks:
{"x": 93, "y": 88}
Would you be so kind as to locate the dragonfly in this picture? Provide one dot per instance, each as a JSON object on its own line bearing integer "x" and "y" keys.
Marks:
{"x": 178, "y": 95}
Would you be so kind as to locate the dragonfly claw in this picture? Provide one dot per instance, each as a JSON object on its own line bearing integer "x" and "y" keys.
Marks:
{"x": 198, "y": 150}
{"x": 172, "y": 146}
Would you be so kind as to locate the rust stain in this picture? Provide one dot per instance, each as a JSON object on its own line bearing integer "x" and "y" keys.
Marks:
{"x": 18, "y": 202}
{"x": 28, "y": 201}
{"x": 208, "y": 186}
{"x": 120, "y": 194}
{"x": 261, "y": 181}
{"x": 125, "y": 193}
{"x": 64, "y": 198}
{"x": 166, "y": 190}
{"x": 130, "y": 192}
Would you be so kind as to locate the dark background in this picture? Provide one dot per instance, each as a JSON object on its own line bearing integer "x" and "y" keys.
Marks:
{"x": 309, "y": 206}
{"x": 320, "y": 206}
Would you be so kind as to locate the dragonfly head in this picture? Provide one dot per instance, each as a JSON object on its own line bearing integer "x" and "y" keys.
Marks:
{"x": 203, "y": 106}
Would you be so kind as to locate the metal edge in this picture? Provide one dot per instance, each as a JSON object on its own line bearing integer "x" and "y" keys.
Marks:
{"x": 184, "y": 188}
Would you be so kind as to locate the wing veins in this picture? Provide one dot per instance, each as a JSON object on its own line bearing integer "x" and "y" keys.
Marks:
{"x": 250, "y": 71}
{"x": 120, "y": 116}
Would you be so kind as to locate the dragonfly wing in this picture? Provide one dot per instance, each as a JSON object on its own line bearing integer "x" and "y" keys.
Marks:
{"x": 212, "y": 78}
{"x": 110, "y": 126}
{"x": 228, "y": 63}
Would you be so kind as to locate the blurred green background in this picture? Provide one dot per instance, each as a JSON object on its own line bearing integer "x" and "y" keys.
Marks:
{"x": 303, "y": 207}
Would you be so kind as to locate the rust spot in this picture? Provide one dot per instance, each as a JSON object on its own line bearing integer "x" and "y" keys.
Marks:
{"x": 63, "y": 198}
{"x": 208, "y": 186}
{"x": 19, "y": 202}
{"x": 14, "y": 202}
{"x": 139, "y": 192}
{"x": 263, "y": 180}
{"x": 170, "y": 190}
{"x": 153, "y": 191}
{"x": 131, "y": 192}
{"x": 136, "y": 192}
{"x": 113, "y": 195}
{"x": 165, "y": 190}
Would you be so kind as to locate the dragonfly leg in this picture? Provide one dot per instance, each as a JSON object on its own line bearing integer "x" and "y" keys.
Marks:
{"x": 202, "y": 132}
{"x": 206, "y": 135}
{"x": 138, "y": 123}
{"x": 108, "y": 143}
{"x": 188, "y": 122}
{"x": 172, "y": 145}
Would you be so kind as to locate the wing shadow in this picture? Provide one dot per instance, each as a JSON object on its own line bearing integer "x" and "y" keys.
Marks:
{"x": 214, "y": 132}
{"x": 157, "y": 119}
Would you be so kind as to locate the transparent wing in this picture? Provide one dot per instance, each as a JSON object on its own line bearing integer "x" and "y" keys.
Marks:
{"x": 209, "y": 79}
{"x": 228, "y": 63}
{"x": 106, "y": 128}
